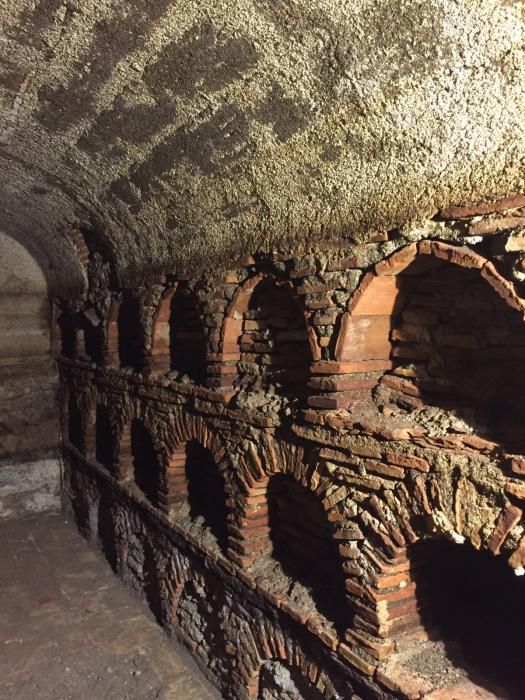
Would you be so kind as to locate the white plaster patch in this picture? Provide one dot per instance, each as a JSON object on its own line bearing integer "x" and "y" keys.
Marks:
{"x": 31, "y": 487}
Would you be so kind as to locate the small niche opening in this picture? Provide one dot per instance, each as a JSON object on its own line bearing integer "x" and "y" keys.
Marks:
{"x": 68, "y": 336}
{"x": 303, "y": 544}
{"x": 187, "y": 338}
{"x": 279, "y": 681}
{"x": 474, "y": 604}
{"x": 146, "y": 469}
{"x": 104, "y": 445}
{"x": 130, "y": 335}
{"x": 206, "y": 493}
{"x": 274, "y": 344}
{"x": 75, "y": 429}
{"x": 152, "y": 581}
{"x": 93, "y": 342}
{"x": 456, "y": 346}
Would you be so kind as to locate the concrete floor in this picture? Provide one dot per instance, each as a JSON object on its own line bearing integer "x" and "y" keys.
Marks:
{"x": 70, "y": 631}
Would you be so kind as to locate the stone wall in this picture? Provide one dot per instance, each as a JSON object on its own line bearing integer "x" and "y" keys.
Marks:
{"x": 29, "y": 428}
{"x": 272, "y": 471}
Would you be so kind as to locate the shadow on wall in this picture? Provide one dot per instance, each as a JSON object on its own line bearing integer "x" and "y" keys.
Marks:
{"x": 75, "y": 427}
{"x": 130, "y": 334}
{"x": 146, "y": 467}
{"x": 104, "y": 442}
{"x": 474, "y": 603}
{"x": 206, "y": 495}
{"x": 303, "y": 544}
{"x": 453, "y": 342}
{"x": 186, "y": 335}
{"x": 274, "y": 342}
{"x": 278, "y": 681}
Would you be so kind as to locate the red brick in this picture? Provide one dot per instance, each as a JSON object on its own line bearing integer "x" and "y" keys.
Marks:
{"x": 364, "y": 338}
{"x": 336, "y": 401}
{"x": 500, "y": 223}
{"x": 504, "y": 288}
{"x": 383, "y": 297}
{"x": 465, "y": 212}
{"x": 517, "y": 558}
{"x": 405, "y": 386}
{"x": 397, "y": 262}
{"x": 517, "y": 464}
{"x": 405, "y": 460}
{"x": 355, "y": 660}
{"x": 458, "y": 255}
{"x": 508, "y": 518}
{"x": 516, "y": 490}
{"x": 359, "y": 367}
{"x": 327, "y": 384}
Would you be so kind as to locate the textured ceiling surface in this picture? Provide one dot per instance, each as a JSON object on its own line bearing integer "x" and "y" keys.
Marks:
{"x": 190, "y": 133}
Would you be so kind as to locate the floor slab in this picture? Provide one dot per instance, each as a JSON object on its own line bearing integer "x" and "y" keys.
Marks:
{"x": 70, "y": 631}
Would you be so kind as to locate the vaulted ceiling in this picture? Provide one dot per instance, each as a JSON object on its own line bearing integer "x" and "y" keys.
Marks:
{"x": 188, "y": 133}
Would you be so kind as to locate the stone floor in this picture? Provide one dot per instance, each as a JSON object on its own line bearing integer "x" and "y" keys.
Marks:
{"x": 70, "y": 631}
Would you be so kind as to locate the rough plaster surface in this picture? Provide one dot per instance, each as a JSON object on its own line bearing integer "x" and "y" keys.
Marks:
{"x": 28, "y": 488}
{"x": 203, "y": 130}
{"x": 28, "y": 377}
{"x": 19, "y": 272}
{"x": 24, "y": 307}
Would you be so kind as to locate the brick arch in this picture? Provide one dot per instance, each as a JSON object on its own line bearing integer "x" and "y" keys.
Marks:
{"x": 103, "y": 411}
{"x": 380, "y": 291}
{"x": 394, "y": 318}
{"x": 185, "y": 427}
{"x": 187, "y": 431}
{"x": 114, "y": 348}
{"x": 182, "y": 348}
{"x": 112, "y": 353}
{"x": 129, "y": 413}
{"x": 275, "y": 645}
{"x": 258, "y": 465}
{"x": 160, "y": 348}
{"x": 383, "y": 587}
{"x": 81, "y": 401}
{"x": 251, "y": 520}
{"x": 233, "y": 330}
{"x": 68, "y": 334}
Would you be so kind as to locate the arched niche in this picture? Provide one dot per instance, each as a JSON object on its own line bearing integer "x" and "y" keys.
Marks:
{"x": 179, "y": 338}
{"x": 137, "y": 460}
{"x": 195, "y": 490}
{"x": 281, "y": 681}
{"x": 265, "y": 339}
{"x": 471, "y": 616}
{"x": 286, "y": 536}
{"x": 130, "y": 333}
{"x": 438, "y": 326}
{"x": 69, "y": 335}
{"x": 186, "y": 333}
{"x": 145, "y": 466}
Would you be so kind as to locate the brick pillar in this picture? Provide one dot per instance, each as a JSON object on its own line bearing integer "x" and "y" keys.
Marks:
{"x": 124, "y": 466}
{"x": 384, "y": 607}
{"x": 342, "y": 385}
{"x": 248, "y": 525}
{"x": 160, "y": 351}
{"x": 174, "y": 484}
{"x": 112, "y": 353}
{"x": 222, "y": 369}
